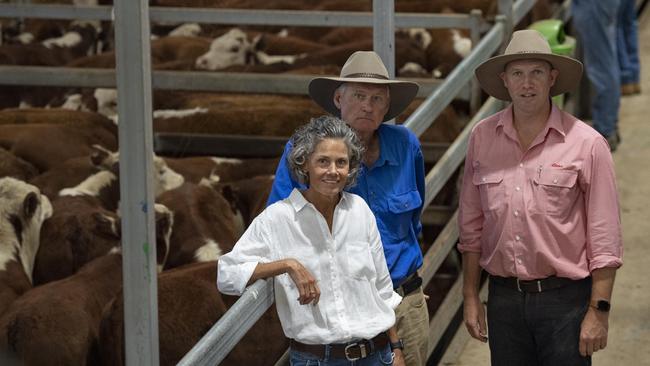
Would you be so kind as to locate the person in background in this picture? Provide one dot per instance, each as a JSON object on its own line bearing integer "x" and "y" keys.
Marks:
{"x": 627, "y": 45}
{"x": 391, "y": 180}
{"x": 595, "y": 22}
{"x": 333, "y": 292}
{"x": 539, "y": 212}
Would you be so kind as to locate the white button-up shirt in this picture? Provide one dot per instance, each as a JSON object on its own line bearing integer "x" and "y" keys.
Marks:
{"x": 357, "y": 300}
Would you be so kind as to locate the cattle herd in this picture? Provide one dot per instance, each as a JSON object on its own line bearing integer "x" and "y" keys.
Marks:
{"x": 60, "y": 237}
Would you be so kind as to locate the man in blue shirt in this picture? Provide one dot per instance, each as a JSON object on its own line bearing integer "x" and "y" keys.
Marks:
{"x": 391, "y": 181}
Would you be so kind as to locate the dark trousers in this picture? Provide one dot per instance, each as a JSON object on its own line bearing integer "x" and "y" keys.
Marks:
{"x": 537, "y": 329}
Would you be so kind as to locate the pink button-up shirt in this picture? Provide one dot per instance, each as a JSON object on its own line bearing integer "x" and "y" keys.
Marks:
{"x": 550, "y": 210}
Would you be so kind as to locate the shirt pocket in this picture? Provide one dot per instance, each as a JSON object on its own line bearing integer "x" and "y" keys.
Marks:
{"x": 558, "y": 190}
{"x": 401, "y": 208}
{"x": 491, "y": 189}
{"x": 358, "y": 260}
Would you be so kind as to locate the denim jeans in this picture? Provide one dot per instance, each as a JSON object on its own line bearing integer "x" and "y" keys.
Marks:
{"x": 627, "y": 42}
{"x": 380, "y": 357}
{"x": 537, "y": 329}
{"x": 595, "y": 22}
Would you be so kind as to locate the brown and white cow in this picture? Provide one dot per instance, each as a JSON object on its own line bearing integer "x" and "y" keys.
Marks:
{"x": 204, "y": 225}
{"x": 194, "y": 169}
{"x": 79, "y": 231}
{"x": 58, "y": 323}
{"x": 105, "y": 183}
{"x": 22, "y": 212}
{"x": 188, "y": 306}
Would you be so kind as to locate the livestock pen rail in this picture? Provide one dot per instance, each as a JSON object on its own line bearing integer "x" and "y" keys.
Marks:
{"x": 233, "y": 325}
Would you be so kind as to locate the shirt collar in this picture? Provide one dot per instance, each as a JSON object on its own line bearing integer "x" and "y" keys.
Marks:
{"x": 387, "y": 153}
{"x": 298, "y": 201}
{"x": 554, "y": 121}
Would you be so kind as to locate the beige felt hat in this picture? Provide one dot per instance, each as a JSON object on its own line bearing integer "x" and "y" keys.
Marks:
{"x": 525, "y": 45}
{"x": 363, "y": 67}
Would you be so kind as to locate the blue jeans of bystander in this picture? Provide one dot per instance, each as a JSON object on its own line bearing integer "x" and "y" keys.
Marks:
{"x": 627, "y": 42}
{"x": 595, "y": 22}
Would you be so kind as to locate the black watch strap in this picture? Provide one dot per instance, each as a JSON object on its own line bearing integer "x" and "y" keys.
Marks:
{"x": 397, "y": 345}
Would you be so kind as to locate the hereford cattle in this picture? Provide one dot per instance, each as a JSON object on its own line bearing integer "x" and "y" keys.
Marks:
{"x": 58, "y": 323}
{"x": 22, "y": 212}
{"x": 79, "y": 231}
{"x": 67, "y": 174}
{"x": 105, "y": 184}
{"x": 247, "y": 197}
{"x": 194, "y": 169}
{"x": 204, "y": 225}
{"x": 13, "y": 166}
{"x": 450, "y": 47}
{"x": 188, "y": 306}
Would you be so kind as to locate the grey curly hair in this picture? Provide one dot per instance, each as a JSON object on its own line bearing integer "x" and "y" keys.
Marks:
{"x": 307, "y": 137}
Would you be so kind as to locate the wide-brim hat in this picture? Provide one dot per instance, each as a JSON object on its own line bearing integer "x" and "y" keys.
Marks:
{"x": 525, "y": 45}
{"x": 363, "y": 67}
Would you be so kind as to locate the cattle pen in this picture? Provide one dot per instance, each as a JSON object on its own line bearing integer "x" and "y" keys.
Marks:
{"x": 135, "y": 80}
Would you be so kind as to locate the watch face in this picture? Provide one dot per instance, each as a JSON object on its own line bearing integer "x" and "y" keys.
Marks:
{"x": 603, "y": 305}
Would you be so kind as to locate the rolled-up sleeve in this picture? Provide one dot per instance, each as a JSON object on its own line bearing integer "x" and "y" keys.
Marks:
{"x": 383, "y": 283}
{"x": 235, "y": 268}
{"x": 470, "y": 213}
{"x": 604, "y": 240}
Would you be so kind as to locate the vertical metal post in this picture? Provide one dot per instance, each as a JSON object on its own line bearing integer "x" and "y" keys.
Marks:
{"x": 505, "y": 9}
{"x": 475, "y": 35}
{"x": 133, "y": 78}
{"x": 383, "y": 34}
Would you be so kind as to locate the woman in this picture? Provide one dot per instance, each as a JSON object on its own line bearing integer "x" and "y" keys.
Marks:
{"x": 333, "y": 292}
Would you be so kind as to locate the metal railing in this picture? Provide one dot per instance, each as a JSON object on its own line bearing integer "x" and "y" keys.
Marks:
{"x": 225, "y": 334}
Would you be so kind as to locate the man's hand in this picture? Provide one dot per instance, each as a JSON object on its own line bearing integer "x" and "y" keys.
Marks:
{"x": 593, "y": 332}
{"x": 474, "y": 315}
{"x": 398, "y": 360}
{"x": 305, "y": 282}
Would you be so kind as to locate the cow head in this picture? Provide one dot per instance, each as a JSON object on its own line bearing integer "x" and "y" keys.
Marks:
{"x": 232, "y": 48}
{"x": 22, "y": 211}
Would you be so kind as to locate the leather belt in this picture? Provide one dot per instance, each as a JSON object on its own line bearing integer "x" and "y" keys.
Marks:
{"x": 412, "y": 283}
{"x": 533, "y": 286}
{"x": 351, "y": 351}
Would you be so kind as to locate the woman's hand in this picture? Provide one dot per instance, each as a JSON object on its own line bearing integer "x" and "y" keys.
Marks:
{"x": 305, "y": 282}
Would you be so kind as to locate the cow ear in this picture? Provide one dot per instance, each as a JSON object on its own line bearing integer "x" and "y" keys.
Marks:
{"x": 106, "y": 226}
{"x": 30, "y": 204}
{"x": 259, "y": 42}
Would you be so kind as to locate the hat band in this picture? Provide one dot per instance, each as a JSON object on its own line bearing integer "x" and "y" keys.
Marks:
{"x": 366, "y": 75}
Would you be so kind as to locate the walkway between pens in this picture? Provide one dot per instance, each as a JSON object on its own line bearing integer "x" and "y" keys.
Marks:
{"x": 629, "y": 322}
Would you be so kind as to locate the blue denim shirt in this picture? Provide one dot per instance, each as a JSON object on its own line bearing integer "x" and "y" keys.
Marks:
{"x": 394, "y": 190}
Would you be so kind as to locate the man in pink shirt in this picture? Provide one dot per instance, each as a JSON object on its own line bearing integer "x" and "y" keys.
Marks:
{"x": 539, "y": 212}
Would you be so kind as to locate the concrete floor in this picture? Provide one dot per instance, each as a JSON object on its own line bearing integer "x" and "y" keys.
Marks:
{"x": 629, "y": 332}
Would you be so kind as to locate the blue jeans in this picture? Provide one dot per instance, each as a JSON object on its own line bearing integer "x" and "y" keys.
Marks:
{"x": 537, "y": 329}
{"x": 595, "y": 22}
{"x": 627, "y": 42}
{"x": 381, "y": 357}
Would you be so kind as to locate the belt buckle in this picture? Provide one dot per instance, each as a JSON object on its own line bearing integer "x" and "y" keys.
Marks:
{"x": 362, "y": 349}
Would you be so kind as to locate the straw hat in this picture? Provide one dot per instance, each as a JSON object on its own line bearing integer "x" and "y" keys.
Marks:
{"x": 363, "y": 67}
{"x": 525, "y": 45}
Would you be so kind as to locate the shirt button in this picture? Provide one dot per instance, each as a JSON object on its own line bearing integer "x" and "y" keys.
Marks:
{"x": 516, "y": 213}
{"x": 517, "y": 188}
{"x": 483, "y": 179}
{"x": 555, "y": 181}
{"x": 519, "y": 261}
{"x": 521, "y": 165}
{"x": 517, "y": 237}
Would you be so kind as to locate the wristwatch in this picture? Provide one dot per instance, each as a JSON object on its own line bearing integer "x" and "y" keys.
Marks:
{"x": 600, "y": 305}
{"x": 399, "y": 344}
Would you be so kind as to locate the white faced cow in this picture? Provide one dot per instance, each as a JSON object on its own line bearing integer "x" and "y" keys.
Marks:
{"x": 22, "y": 212}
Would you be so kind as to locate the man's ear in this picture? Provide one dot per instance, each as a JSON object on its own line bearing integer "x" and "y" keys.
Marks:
{"x": 554, "y": 75}
{"x": 337, "y": 99}
{"x": 502, "y": 75}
